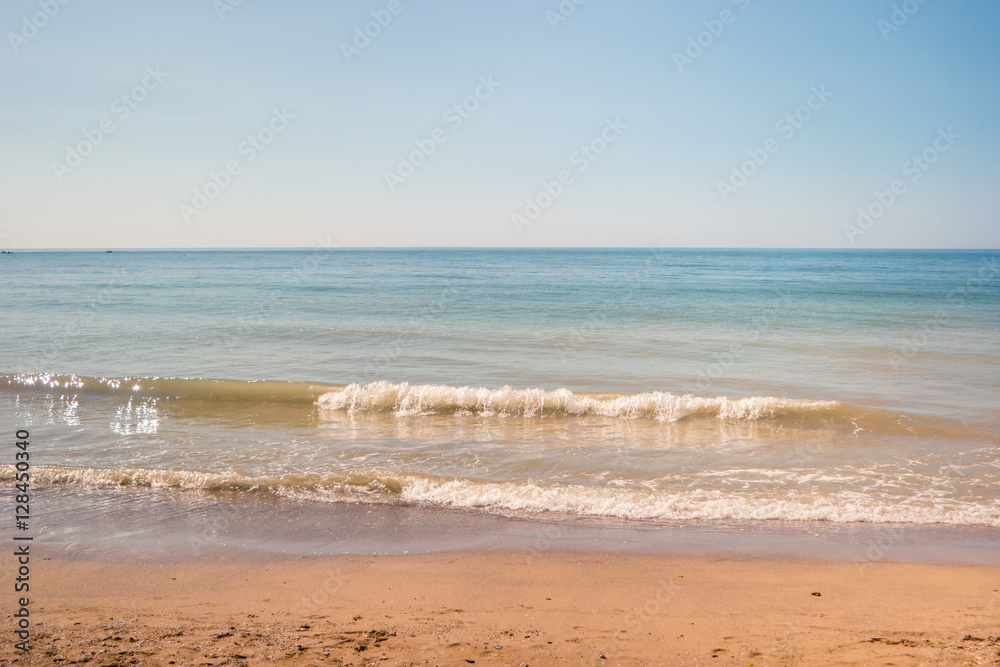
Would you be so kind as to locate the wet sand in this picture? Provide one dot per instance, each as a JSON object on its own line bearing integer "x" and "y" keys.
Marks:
{"x": 160, "y": 525}
{"x": 121, "y": 577}
{"x": 509, "y": 608}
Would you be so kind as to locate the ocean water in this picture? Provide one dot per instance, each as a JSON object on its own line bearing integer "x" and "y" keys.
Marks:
{"x": 653, "y": 385}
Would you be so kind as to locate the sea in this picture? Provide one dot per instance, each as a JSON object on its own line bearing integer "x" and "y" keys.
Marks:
{"x": 652, "y": 388}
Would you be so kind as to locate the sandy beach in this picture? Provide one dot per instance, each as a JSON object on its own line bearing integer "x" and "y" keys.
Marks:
{"x": 459, "y": 608}
{"x": 519, "y": 334}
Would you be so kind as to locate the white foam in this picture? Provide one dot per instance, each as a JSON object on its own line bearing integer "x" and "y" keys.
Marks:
{"x": 630, "y": 502}
{"x": 406, "y": 399}
{"x": 843, "y": 507}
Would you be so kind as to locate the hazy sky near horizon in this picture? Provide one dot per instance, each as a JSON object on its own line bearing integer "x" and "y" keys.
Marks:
{"x": 202, "y": 123}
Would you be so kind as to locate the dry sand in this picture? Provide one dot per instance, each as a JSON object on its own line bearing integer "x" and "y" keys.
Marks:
{"x": 490, "y": 608}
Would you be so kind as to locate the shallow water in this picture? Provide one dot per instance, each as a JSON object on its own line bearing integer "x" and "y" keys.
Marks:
{"x": 652, "y": 385}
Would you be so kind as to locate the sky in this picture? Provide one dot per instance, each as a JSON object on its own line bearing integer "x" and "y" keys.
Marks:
{"x": 721, "y": 123}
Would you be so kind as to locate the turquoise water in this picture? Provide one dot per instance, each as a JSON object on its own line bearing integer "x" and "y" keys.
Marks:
{"x": 647, "y": 384}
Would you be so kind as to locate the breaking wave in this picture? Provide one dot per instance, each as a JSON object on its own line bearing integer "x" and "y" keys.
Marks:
{"x": 534, "y": 498}
{"x": 424, "y": 399}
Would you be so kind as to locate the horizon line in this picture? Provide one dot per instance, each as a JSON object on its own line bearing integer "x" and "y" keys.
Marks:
{"x": 106, "y": 249}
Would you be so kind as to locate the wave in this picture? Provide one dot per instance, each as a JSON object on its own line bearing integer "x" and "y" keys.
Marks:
{"x": 694, "y": 504}
{"x": 425, "y": 399}
{"x": 204, "y": 481}
{"x": 528, "y": 498}
{"x": 291, "y": 399}
{"x": 406, "y": 400}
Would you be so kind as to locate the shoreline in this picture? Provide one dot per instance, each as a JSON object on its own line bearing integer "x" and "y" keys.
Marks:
{"x": 140, "y": 576}
{"x": 148, "y": 525}
{"x": 494, "y": 608}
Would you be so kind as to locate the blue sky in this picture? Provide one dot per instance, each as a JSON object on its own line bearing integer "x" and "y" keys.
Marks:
{"x": 314, "y": 132}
